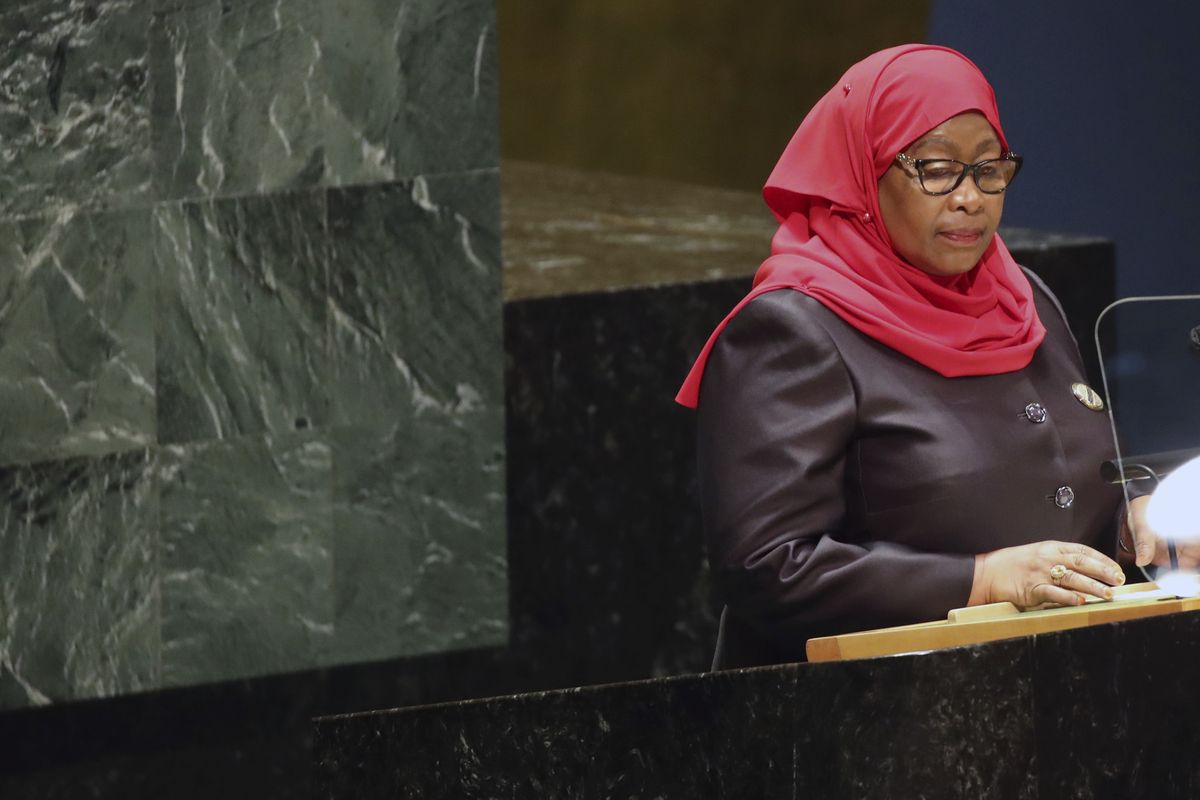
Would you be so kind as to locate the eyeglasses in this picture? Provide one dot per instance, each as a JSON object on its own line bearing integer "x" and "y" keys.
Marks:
{"x": 940, "y": 176}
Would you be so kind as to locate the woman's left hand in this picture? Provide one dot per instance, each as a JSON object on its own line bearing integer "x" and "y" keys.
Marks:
{"x": 1148, "y": 546}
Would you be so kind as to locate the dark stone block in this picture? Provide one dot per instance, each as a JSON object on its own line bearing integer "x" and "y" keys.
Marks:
{"x": 712, "y": 737}
{"x": 951, "y": 724}
{"x": 1118, "y": 710}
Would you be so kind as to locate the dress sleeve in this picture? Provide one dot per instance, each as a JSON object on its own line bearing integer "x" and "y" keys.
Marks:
{"x": 776, "y": 423}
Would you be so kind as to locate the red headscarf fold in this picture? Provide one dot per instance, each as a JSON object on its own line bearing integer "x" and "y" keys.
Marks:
{"x": 832, "y": 244}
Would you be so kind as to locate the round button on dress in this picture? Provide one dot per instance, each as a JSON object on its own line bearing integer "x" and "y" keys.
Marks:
{"x": 1035, "y": 413}
{"x": 1064, "y": 497}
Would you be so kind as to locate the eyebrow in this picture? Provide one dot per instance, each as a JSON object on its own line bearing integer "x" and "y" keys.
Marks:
{"x": 951, "y": 145}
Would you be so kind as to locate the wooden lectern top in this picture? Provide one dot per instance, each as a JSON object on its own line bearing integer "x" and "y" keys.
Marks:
{"x": 988, "y": 623}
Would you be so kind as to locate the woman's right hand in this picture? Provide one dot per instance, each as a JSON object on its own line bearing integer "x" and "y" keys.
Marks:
{"x": 1023, "y": 575}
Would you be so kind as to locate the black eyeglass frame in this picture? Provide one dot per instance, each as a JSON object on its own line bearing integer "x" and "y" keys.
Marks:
{"x": 968, "y": 169}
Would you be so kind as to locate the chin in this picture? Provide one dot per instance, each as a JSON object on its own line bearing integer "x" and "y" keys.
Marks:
{"x": 961, "y": 269}
{"x": 956, "y": 264}
{"x": 949, "y": 270}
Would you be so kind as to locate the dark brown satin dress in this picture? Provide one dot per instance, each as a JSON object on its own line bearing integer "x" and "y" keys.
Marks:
{"x": 846, "y": 487}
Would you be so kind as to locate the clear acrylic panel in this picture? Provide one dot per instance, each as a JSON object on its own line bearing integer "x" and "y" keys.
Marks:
{"x": 1149, "y": 351}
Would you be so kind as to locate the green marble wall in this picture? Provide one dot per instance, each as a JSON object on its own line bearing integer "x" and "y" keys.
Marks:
{"x": 251, "y": 411}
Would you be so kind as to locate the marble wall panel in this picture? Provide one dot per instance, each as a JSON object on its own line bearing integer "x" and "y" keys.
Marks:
{"x": 414, "y": 300}
{"x": 79, "y": 581}
{"x": 417, "y": 407}
{"x": 409, "y": 87}
{"x": 169, "y": 336}
{"x": 256, "y": 97}
{"x": 419, "y": 540}
{"x": 241, "y": 316}
{"x": 246, "y": 557}
{"x": 235, "y": 106}
{"x": 76, "y": 335}
{"x": 75, "y": 104}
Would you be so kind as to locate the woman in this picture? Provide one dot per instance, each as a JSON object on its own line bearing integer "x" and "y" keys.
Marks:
{"x": 907, "y": 428}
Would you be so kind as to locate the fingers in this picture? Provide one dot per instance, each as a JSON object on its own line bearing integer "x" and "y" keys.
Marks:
{"x": 1086, "y": 585}
{"x": 1092, "y": 564}
{"x": 1144, "y": 540}
{"x": 1047, "y": 594}
{"x": 1046, "y": 573}
{"x": 1189, "y": 555}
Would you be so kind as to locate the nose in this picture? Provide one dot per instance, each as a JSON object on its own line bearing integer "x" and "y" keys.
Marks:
{"x": 967, "y": 196}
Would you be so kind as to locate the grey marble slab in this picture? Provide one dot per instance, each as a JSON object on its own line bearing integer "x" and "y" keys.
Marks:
{"x": 415, "y": 300}
{"x": 417, "y": 404}
{"x": 76, "y": 335}
{"x": 409, "y": 88}
{"x": 418, "y": 543}
{"x": 75, "y": 106}
{"x": 236, "y": 109}
{"x": 79, "y": 588}
{"x": 256, "y": 97}
{"x": 241, "y": 316}
{"x": 246, "y": 557}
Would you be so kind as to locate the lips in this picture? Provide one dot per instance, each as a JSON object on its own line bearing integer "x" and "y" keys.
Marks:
{"x": 962, "y": 236}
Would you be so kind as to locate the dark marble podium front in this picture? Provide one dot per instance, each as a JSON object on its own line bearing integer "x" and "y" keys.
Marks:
{"x": 612, "y": 285}
{"x": 1106, "y": 712}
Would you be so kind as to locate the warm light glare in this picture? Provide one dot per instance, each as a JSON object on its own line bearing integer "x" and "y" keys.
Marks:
{"x": 1174, "y": 508}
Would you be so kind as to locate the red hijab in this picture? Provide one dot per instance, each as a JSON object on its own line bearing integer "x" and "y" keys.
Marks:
{"x": 832, "y": 244}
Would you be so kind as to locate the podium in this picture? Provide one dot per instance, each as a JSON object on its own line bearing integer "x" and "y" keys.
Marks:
{"x": 988, "y": 623}
{"x": 1103, "y": 711}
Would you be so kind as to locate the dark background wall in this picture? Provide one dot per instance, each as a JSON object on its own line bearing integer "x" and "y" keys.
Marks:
{"x": 1103, "y": 99}
{"x": 707, "y": 92}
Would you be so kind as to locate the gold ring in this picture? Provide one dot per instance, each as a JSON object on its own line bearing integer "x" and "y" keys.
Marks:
{"x": 1057, "y": 573}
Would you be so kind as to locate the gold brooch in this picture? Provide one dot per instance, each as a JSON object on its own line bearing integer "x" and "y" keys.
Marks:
{"x": 1086, "y": 395}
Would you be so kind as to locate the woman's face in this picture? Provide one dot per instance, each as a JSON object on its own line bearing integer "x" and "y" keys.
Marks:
{"x": 944, "y": 235}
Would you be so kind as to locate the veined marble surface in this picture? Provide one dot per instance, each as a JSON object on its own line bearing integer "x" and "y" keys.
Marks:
{"x": 281, "y": 94}
{"x": 76, "y": 335}
{"x": 417, "y": 406}
{"x": 241, "y": 316}
{"x": 414, "y": 279}
{"x": 120, "y": 103}
{"x": 75, "y": 105}
{"x": 251, "y": 402}
{"x": 409, "y": 88}
{"x": 79, "y": 580}
{"x": 247, "y": 563}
